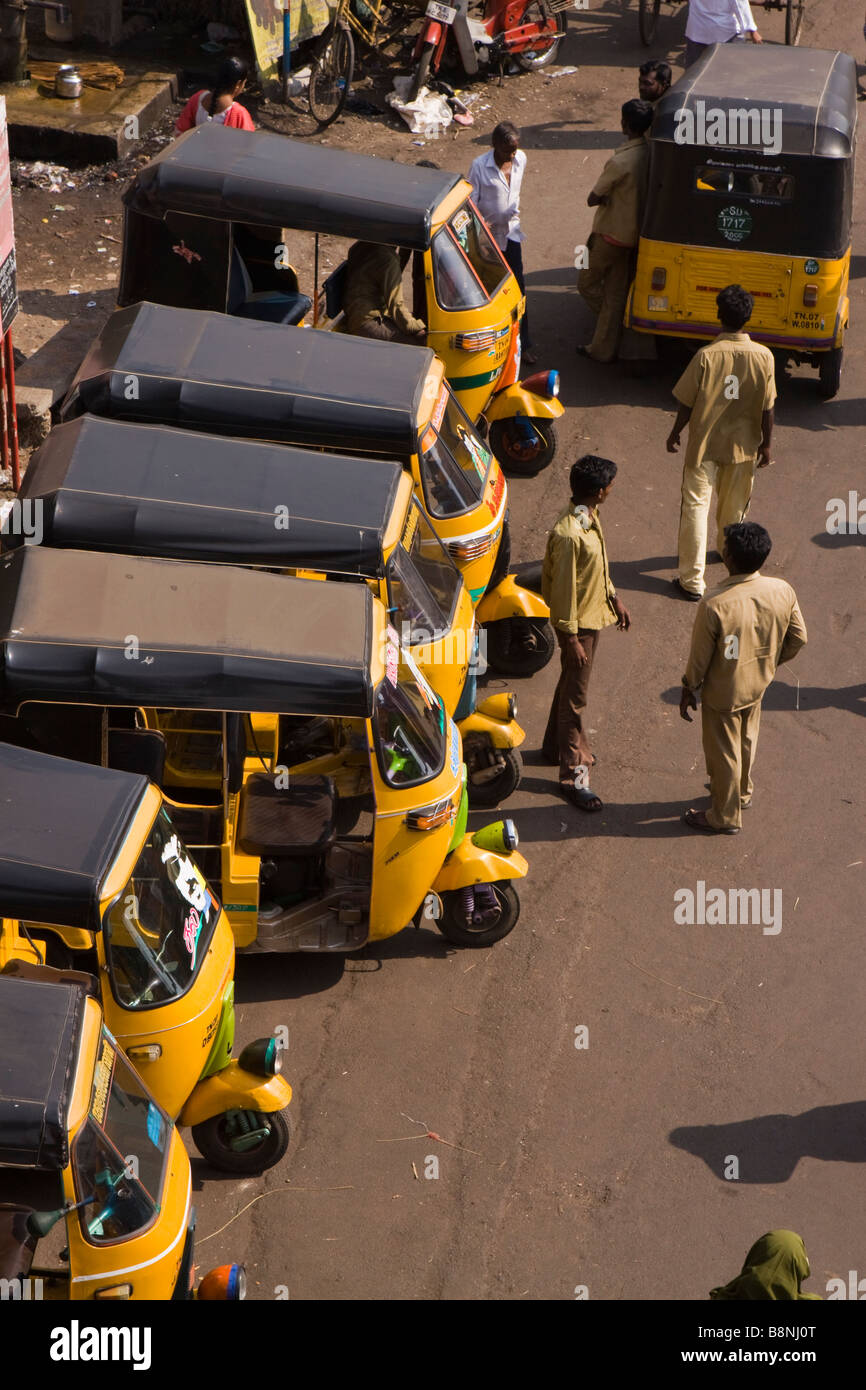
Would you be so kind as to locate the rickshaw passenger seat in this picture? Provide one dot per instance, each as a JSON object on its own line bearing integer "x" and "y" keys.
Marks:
{"x": 138, "y": 750}
{"x": 17, "y": 1244}
{"x": 295, "y": 822}
{"x": 273, "y": 306}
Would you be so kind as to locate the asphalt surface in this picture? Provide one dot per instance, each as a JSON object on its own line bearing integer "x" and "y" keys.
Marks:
{"x": 603, "y": 1167}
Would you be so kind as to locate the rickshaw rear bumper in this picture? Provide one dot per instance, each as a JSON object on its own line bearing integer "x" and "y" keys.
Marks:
{"x": 235, "y": 1089}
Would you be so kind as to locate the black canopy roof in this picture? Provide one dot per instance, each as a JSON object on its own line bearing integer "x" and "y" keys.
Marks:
{"x": 152, "y": 490}
{"x": 40, "y": 1028}
{"x": 61, "y": 825}
{"x": 253, "y": 380}
{"x": 816, "y": 90}
{"x": 87, "y": 628}
{"x": 270, "y": 180}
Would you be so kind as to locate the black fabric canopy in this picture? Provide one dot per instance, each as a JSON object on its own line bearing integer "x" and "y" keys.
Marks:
{"x": 61, "y": 826}
{"x": 40, "y": 1026}
{"x": 253, "y": 380}
{"x": 153, "y": 490}
{"x": 81, "y": 627}
{"x": 265, "y": 179}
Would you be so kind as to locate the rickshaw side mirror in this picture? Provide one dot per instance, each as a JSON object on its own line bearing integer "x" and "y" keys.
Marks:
{"x": 39, "y": 1223}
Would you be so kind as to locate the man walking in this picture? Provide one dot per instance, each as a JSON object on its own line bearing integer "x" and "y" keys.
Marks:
{"x": 575, "y": 582}
{"x": 497, "y": 178}
{"x": 718, "y": 21}
{"x": 726, "y": 394}
{"x": 743, "y": 631}
{"x": 619, "y": 195}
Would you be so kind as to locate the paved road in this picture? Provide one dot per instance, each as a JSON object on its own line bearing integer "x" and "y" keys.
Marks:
{"x": 603, "y": 1166}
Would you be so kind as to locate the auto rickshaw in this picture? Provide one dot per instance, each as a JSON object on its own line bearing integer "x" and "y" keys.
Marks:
{"x": 204, "y": 228}
{"x": 102, "y": 484}
{"x": 305, "y": 759}
{"x": 253, "y": 380}
{"x": 751, "y": 182}
{"x": 93, "y": 873}
{"x": 86, "y": 1148}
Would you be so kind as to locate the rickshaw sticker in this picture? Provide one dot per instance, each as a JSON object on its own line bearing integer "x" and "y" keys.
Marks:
{"x": 191, "y": 933}
{"x": 439, "y": 407}
{"x": 454, "y": 751}
{"x": 411, "y": 528}
{"x": 460, "y": 223}
{"x": 479, "y": 455}
{"x": 102, "y": 1081}
{"x": 811, "y": 267}
{"x": 190, "y": 883}
{"x": 155, "y": 1127}
{"x": 734, "y": 223}
{"x": 392, "y": 662}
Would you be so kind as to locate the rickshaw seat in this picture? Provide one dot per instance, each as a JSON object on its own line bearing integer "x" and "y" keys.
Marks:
{"x": 273, "y": 306}
{"x": 334, "y": 290}
{"x": 138, "y": 750}
{"x": 294, "y": 822}
{"x": 17, "y": 1245}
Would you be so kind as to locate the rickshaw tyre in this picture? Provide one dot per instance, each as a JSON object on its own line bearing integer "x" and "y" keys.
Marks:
{"x": 830, "y": 373}
{"x": 506, "y": 659}
{"x": 339, "y": 33}
{"x": 512, "y": 464}
{"x": 531, "y": 64}
{"x": 451, "y": 923}
{"x": 422, "y": 69}
{"x": 486, "y": 795}
{"x": 209, "y": 1141}
{"x": 647, "y": 20}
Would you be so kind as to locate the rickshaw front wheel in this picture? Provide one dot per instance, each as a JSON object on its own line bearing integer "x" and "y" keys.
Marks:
{"x": 484, "y": 786}
{"x": 497, "y": 917}
{"x": 214, "y": 1140}
{"x": 518, "y": 449}
{"x": 519, "y": 646}
{"x": 830, "y": 373}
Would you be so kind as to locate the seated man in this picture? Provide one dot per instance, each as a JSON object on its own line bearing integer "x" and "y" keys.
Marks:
{"x": 373, "y": 298}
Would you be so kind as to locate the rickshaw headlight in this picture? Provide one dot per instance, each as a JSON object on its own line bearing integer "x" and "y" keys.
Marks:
{"x": 227, "y": 1283}
{"x": 542, "y": 383}
{"x": 261, "y": 1057}
{"x": 116, "y": 1291}
{"x": 659, "y": 277}
{"x": 810, "y": 296}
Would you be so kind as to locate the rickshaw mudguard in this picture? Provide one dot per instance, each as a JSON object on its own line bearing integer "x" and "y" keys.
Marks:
{"x": 503, "y": 733}
{"x": 516, "y": 400}
{"x": 468, "y": 864}
{"x": 510, "y": 600}
{"x": 233, "y": 1088}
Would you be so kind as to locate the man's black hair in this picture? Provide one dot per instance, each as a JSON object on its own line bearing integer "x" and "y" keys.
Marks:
{"x": 735, "y": 306}
{"x": 589, "y": 475}
{"x": 637, "y": 115}
{"x": 662, "y": 70}
{"x": 506, "y": 130}
{"x": 748, "y": 546}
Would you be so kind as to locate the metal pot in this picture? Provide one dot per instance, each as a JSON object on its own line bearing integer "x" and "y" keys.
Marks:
{"x": 67, "y": 82}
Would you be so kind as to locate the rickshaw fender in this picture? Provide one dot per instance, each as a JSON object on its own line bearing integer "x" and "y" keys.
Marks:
{"x": 233, "y": 1088}
{"x": 468, "y": 864}
{"x": 516, "y": 400}
{"x": 503, "y": 733}
{"x": 510, "y": 600}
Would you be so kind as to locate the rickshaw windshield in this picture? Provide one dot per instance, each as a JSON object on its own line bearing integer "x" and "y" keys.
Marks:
{"x": 454, "y": 462}
{"x": 409, "y": 722}
{"x": 119, "y": 1155}
{"x": 468, "y": 267}
{"x": 423, "y": 582}
{"x": 158, "y": 931}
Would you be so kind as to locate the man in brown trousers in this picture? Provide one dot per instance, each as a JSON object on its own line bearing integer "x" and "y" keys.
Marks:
{"x": 743, "y": 630}
{"x": 575, "y": 581}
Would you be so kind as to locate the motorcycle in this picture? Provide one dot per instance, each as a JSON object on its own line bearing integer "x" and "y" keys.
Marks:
{"x": 526, "y": 30}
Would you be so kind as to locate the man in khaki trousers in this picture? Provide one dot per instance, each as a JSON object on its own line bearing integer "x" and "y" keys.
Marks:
{"x": 743, "y": 630}
{"x": 726, "y": 395}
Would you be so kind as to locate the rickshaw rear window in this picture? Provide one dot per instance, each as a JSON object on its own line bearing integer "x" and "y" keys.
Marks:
{"x": 158, "y": 931}
{"x": 468, "y": 267}
{"x": 746, "y": 183}
{"x": 409, "y": 721}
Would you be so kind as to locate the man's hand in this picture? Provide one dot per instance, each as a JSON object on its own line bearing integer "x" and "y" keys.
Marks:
{"x": 673, "y": 441}
{"x": 575, "y": 650}
{"x": 754, "y": 36}
{"x": 623, "y": 615}
{"x": 764, "y": 459}
{"x": 688, "y": 701}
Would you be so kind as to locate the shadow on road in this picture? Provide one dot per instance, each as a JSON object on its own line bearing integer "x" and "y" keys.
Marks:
{"x": 782, "y": 697}
{"x": 769, "y": 1147}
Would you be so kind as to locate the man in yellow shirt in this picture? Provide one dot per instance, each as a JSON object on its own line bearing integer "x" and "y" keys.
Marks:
{"x": 373, "y": 297}
{"x": 726, "y": 394}
{"x": 743, "y": 631}
{"x": 619, "y": 195}
{"x": 575, "y": 582}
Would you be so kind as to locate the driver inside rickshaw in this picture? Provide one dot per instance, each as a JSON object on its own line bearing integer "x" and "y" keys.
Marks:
{"x": 373, "y": 296}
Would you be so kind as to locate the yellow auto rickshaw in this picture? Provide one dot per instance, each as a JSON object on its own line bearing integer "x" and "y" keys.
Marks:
{"x": 103, "y": 484}
{"x": 94, "y": 1178}
{"x": 204, "y": 228}
{"x": 305, "y": 759}
{"x": 252, "y": 380}
{"x": 751, "y": 183}
{"x": 93, "y": 874}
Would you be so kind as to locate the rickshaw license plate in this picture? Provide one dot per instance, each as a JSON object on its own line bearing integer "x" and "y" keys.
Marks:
{"x": 444, "y": 13}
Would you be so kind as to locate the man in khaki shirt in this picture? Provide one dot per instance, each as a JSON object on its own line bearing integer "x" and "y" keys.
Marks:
{"x": 373, "y": 297}
{"x": 743, "y": 630}
{"x": 619, "y": 195}
{"x": 575, "y": 582}
{"x": 726, "y": 394}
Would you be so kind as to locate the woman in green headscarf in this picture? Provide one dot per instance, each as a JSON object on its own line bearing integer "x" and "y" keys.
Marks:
{"x": 775, "y": 1267}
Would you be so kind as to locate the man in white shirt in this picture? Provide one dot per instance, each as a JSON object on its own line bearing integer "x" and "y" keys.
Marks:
{"x": 496, "y": 179}
{"x": 718, "y": 21}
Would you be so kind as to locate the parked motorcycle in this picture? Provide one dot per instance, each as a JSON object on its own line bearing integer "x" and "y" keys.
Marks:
{"x": 526, "y": 30}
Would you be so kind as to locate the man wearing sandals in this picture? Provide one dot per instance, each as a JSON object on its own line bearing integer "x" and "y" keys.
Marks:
{"x": 743, "y": 631}
{"x": 575, "y": 581}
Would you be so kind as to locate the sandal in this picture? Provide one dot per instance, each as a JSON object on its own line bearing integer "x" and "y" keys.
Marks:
{"x": 583, "y": 798}
{"x": 697, "y": 820}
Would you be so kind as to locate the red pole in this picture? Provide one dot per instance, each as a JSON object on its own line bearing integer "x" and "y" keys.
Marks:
{"x": 12, "y": 411}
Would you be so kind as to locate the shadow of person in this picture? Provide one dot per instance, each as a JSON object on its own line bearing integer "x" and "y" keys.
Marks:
{"x": 839, "y": 541}
{"x": 781, "y": 696}
{"x": 769, "y": 1147}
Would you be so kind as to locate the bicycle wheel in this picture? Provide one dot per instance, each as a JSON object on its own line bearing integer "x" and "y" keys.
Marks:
{"x": 794, "y": 20}
{"x": 648, "y": 18}
{"x": 331, "y": 72}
